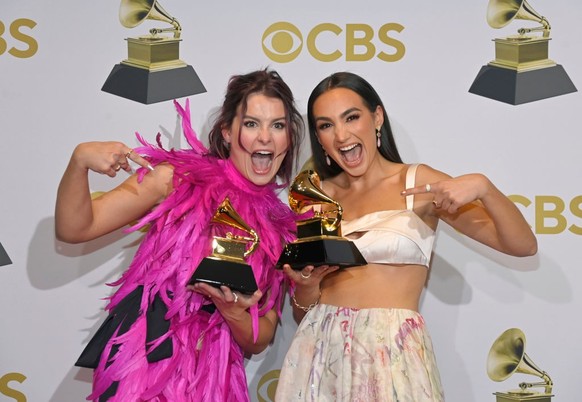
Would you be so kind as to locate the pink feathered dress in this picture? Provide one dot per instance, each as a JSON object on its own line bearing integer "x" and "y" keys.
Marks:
{"x": 162, "y": 342}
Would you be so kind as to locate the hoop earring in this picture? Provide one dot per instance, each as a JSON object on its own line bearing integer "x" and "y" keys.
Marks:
{"x": 378, "y": 141}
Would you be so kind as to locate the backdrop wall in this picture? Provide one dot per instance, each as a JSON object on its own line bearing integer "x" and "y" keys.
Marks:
{"x": 421, "y": 56}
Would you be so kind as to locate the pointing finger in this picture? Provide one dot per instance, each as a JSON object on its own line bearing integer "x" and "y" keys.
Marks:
{"x": 426, "y": 188}
{"x": 133, "y": 156}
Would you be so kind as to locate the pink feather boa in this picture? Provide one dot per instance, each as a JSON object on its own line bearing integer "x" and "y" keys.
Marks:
{"x": 206, "y": 364}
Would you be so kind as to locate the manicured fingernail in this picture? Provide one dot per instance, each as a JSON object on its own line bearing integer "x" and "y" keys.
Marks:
{"x": 150, "y": 167}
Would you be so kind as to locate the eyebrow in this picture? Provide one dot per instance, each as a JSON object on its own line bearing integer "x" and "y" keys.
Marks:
{"x": 342, "y": 115}
{"x": 248, "y": 116}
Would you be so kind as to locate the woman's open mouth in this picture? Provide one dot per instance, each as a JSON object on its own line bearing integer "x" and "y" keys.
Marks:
{"x": 351, "y": 154}
{"x": 262, "y": 161}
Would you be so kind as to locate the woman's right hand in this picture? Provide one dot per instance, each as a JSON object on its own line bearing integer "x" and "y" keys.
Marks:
{"x": 80, "y": 217}
{"x": 309, "y": 276}
{"x": 106, "y": 157}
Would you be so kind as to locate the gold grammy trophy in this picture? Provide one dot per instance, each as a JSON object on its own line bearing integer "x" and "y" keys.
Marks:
{"x": 506, "y": 357}
{"x": 521, "y": 71}
{"x": 226, "y": 264}
{"x": 153, "y": 71}
{"x": 319, "y": 238}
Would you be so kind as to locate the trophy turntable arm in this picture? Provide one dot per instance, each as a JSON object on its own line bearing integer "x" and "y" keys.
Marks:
{"x": 254, "y": 242}
{"x": 325, "y": 214}
{"x": 545, "y": 28}
{"x": 547, "y": 383}
{"x": 176, "y": 29}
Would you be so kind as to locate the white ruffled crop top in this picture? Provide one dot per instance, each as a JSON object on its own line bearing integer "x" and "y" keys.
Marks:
{"x": 394, "y": 236}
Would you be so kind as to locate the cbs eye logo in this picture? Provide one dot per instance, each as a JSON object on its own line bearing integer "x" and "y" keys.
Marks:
{"x": 267, "y": 386}
{"x": 14, "y": 32}
{"x": 282, "y": 42}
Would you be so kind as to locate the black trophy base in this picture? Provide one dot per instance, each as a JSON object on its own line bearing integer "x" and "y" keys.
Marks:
{"x": 324, "y": 251}
{"x": 517, "y": 87}
{"x": 147, "y": 87}
{"x": 218, "y": 272}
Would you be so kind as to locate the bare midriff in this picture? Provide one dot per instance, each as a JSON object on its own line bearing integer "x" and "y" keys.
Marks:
{"x": 375, "y": 286}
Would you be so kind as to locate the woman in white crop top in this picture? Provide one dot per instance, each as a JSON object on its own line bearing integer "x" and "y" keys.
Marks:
{"x": 361, "y": 336}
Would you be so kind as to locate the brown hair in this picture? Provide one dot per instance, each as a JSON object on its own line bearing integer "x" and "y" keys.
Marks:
{"x": 270, "y": 84}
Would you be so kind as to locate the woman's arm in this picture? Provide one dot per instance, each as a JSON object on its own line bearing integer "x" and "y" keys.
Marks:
{"x": 79, "y": 218}
{"x": 234, "y": 309}
{"x": 307, "y": 284}
{"x": 475, "y": 207}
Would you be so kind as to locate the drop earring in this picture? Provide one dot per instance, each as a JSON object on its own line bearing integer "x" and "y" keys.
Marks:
{"x": 378, "y": 142}
{"x": 327, "y": 160}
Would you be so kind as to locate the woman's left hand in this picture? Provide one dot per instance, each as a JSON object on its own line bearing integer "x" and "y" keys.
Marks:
{"x": 451, "y": 194}
{"x": 230, "y": 303}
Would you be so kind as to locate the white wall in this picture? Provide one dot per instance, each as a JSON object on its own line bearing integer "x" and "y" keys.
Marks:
{"x": 50, "y": 100}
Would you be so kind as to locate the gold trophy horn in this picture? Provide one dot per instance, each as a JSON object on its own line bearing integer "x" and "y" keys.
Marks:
{"x": 227, "y": 215}
{"x": 225, "y": 266}
{"x": 501, "y": 12}
{"x": 305, "y": 191}
{"x": 134, "y": 12}
{"x": 319, "y": 238}
{"x": 506, "y": 357}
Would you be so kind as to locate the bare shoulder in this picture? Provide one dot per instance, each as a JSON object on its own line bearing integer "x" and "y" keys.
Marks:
{"x": 427, "y": 174}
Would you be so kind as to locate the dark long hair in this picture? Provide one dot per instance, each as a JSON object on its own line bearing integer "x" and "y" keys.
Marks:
{"x": 371, "y": 99}
{"x": 270, "y": 84}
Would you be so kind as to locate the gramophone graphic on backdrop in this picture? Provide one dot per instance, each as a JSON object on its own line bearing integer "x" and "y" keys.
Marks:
{"x": 521, "y": 71}
{"x": 506, "y": 357}
{"x": 4, "y": 258}
{"x": 153, "y": 71}
{"x": 319, "y": 238}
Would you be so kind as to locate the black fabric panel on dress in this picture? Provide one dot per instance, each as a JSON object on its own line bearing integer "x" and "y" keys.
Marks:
{"x": 157, "y": 325}
{"x": 109, "y": 392}
{"x": 122, "y": 316}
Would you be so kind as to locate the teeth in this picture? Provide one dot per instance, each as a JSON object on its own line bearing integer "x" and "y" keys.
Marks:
{"x": 263, "y": 152}
{"x": 348, "y": 148}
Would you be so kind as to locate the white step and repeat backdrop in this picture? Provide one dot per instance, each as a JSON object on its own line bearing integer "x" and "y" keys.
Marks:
{"x": 422, "y": 56}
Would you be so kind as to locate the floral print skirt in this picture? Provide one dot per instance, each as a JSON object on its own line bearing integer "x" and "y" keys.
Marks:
{"x": 348, "y": 354}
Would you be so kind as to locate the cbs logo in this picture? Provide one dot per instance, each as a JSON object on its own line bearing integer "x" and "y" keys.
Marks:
{"x": 551, "y": 213}
{"x": 7, "y": 390}
{"x": 15, "y": 32}
{"x": 282, "y": 42}
{"x": 267, "y": 386}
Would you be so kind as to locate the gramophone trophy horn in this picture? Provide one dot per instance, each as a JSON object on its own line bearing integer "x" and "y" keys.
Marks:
{"x": 501, "y": 12}
{"x": 506, "y": 357}
{"x": 305, "y": 192}
{"x": 226, "y": 264}
{"x": 132, "y": 13}
{"x": 153, "y": 71}
{"x": 521, "y": 71}
{"x": 319, "y": 238}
